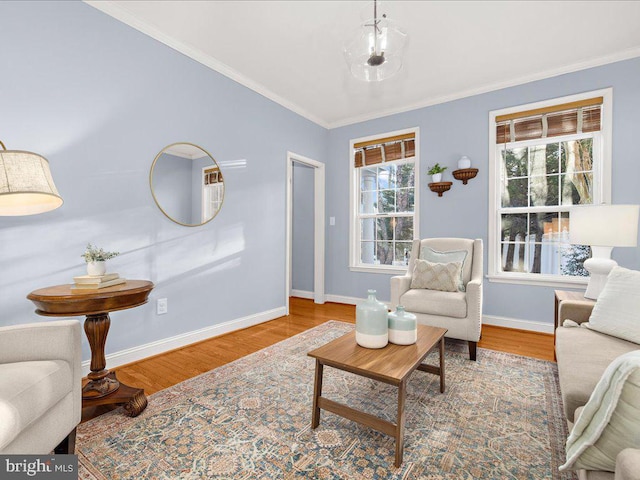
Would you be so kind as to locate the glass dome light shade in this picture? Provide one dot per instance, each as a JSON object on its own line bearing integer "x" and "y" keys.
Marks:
{"x": 375, "y": 54}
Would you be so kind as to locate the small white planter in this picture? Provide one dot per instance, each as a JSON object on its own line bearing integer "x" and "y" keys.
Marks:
{"x": 96, "y": 268}
{"x": 436, "y": 177}
{"x": 464, "y": 162}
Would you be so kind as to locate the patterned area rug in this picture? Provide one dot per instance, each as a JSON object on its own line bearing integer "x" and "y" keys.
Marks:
{"x": 500, "y": 418}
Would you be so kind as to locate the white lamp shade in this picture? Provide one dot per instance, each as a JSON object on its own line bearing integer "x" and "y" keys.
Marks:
{"x": 604, "y": 225}
{"x": 26, "y": 185}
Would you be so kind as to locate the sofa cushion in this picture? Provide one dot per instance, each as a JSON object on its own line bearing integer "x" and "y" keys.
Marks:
{"x": 433, "y": 302}
{"x": 27, "y": 391}
{"x": 436, "y": 276}
{"x": 617, "y": 311}
{"x": 609, "y": 421}
{"x": 583, "y": 356}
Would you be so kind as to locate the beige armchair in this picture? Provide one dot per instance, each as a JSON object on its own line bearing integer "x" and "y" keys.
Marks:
{"x": 459, "y": 312}
{"x": 40, "y": 387}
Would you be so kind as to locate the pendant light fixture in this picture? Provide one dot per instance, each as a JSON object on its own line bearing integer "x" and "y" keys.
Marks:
{"x": 375, "y": 53}
{"x": 26, "y": 185}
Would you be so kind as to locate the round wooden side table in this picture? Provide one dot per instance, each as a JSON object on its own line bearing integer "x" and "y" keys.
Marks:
{"x": 103, "y": 387}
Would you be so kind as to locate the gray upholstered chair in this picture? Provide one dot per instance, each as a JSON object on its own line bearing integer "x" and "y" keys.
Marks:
{"x": 40, "y": 387}
{"x": 459, "y": 312}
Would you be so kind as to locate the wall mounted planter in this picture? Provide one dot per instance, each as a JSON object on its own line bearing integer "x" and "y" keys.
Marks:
{"x": 465, "y": 174}
{"x": 440, "y": 187}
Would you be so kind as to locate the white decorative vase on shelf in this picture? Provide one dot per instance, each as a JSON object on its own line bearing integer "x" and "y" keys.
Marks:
{"x": 403, "y": 327}
{"x": 96, "y": 268}
{"x": 436, "y": 177}
{"x": 371, "y": 323}
{"x": 464, "y": 162}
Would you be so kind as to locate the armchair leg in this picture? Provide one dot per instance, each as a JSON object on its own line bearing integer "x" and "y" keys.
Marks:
{"x": 472, "y": 350}
{"x": 68, "y": 445}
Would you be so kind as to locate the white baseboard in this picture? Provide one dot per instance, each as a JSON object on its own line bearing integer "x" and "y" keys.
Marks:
{"x": 341, "y": 299}
{"x": 302, "y": 294}
{"x": 517, "y": 323}
{"x": 506, "y": 322}
{"x": 160, "y": 346}
{"x": 134, "y": 354}
{"x": 349, "y": 300}
{"x": 332, "y": 298}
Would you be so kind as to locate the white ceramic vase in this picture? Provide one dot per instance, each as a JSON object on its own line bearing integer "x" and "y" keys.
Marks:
{"x": 372, "y": 329}
{"x": 403, "y": 327}
{"x": 96, "y": 268}
{"x": 464, "y": 162}
{"x": 436, "y": 177}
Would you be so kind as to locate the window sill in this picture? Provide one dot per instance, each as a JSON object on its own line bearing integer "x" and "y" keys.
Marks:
{"x": 540, "y": 281}
{"x": 389, "y": 270}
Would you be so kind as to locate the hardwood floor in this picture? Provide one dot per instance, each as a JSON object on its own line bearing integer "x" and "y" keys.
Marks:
{"x": 164, "y": 370}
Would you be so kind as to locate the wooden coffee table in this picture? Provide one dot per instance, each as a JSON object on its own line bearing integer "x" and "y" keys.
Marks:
{"x": 392, "y": 364}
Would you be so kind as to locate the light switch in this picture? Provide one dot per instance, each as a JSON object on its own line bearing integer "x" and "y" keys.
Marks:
{"x": 332, "y": 221}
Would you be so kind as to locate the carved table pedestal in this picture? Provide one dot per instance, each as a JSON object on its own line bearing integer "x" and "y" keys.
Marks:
{"x": 103, "y": 388}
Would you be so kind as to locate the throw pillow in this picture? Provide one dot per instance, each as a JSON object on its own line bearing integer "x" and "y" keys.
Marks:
{"x": 436, "y": 276}
{"x": 434, "y": 256}
{"x": 608, "y": 422}
{"x": 617, "y": 310}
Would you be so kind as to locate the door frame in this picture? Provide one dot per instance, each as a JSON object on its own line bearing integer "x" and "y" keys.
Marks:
{"x": 318, "y": 226}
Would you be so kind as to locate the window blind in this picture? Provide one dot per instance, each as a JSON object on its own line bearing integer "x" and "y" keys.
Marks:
{"x": 385, "y": 149}
{"x": 563, "y": 119}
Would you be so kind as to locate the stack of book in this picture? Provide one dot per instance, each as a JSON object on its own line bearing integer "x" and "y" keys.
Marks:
{"x": 95, "y": 282}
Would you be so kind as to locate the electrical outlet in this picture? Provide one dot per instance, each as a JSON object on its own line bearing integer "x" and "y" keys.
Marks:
{"x": 162, "y": 306}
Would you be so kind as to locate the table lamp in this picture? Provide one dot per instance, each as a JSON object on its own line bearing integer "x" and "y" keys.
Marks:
{"x": 602, "y": 227}
{"x": 26, "y": 185}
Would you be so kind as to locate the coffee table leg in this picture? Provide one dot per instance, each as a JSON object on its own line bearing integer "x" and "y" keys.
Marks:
{"x": 442, "y": 365}
{"x": 317, "y": 392}
{"x": 402, "y": 392}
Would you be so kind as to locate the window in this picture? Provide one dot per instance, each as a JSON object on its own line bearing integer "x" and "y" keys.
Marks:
{"x": 545, "y": 158}
{"x": 384, "y": 192}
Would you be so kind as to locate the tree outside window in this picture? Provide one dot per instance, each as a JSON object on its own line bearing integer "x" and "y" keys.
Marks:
{"x": 539, "y": 183}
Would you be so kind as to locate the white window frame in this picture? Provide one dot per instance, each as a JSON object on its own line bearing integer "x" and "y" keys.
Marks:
{"x": 355, "y": 265}
{"x": 601, "y": 193}
{"x": 205, "y": 212}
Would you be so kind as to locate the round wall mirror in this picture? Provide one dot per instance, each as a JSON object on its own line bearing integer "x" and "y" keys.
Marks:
{"x": 186, "y": 184}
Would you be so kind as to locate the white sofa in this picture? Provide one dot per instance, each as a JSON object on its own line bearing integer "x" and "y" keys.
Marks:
{"x": 459, "y": 312}
{"x": 40, "y": 387}
{"x": 583, "y": 355}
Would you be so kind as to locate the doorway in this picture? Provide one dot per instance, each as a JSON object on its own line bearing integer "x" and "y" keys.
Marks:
{"x": 318, "y": 225}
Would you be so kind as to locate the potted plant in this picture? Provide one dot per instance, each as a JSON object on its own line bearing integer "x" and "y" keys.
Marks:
{"x": 96, "y": 259}
{"x": 436, "y": 173}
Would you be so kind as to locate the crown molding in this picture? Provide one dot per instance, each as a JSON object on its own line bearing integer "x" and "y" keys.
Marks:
{"x": 574, "y": 67}
{"x": 116, "y": 11}
{"x": 119, "y": 13}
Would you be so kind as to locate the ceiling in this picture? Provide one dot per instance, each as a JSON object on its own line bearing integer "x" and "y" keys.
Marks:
{"x": 291, "y": 51}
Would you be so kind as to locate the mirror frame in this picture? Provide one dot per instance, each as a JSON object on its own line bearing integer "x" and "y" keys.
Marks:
{"x": 153, "y": 193}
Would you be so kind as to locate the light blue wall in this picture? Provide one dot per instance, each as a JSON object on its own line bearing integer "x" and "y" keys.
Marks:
{"x": 100, "y": 100}
{"x": 172, "y": 186}
{"x": 457, "y": 128}
{"x": 302, "y": 228}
